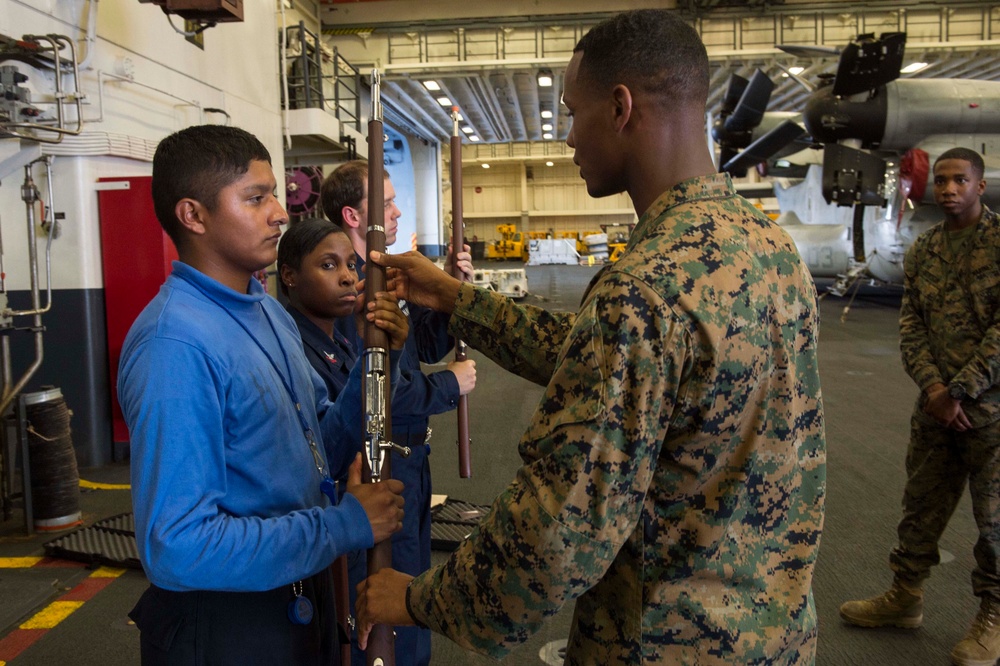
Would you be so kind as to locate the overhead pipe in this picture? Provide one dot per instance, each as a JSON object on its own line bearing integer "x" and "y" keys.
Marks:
{"x": 91, "y": 38}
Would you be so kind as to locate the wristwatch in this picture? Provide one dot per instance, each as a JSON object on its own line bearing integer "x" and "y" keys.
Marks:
{"x": 957, "y": 391}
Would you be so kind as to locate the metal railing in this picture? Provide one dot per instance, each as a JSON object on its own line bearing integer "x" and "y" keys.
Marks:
{"x": 320, "y": 80}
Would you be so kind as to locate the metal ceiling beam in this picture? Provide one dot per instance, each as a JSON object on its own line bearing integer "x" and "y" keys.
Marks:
{"x": 511, "y": 101}
{"x": 475, "y": 18}
{"x": 560, "y": 120}
{"x": 488, "y": 99}
{"x": 472, "y": 108}
{"x": 472, "y": 66}
{"x": 527, "y": 92}
{"x": 401, "y": 98}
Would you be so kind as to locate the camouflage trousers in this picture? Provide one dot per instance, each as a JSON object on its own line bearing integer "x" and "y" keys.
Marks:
{"x": 939, "y": 461}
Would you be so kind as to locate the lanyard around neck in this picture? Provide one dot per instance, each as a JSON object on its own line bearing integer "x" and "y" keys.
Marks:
{"x": 287, "y": 383}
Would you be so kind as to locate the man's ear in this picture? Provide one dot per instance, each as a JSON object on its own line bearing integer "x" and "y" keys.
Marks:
{"x": 191, "y": 215}
{"x": 622, "y": 106}
{"x": 351, "y": 217}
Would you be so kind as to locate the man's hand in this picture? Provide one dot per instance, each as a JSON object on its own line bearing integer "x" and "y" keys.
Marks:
{"x": 464, "y": 262}
{"x": 961, "y": 422}
{"x": 382, "y": 501}
{"x": 944, "y": 409}
{"x": 382, "y": 600}
{"x": 465, "y": 373}
{"x": 414, "y": 278}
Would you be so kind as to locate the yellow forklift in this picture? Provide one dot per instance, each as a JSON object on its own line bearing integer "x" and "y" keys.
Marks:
{"x": 511, "y": 245}
{"x": 617, "y": 239}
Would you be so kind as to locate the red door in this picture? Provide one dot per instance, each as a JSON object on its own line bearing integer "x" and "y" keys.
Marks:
{"x": 136, "y": 253}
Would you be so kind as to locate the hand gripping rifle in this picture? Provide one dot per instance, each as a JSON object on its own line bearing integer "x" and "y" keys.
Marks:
{"x": 375, "y": 390}
{"x": 457, "y": 244}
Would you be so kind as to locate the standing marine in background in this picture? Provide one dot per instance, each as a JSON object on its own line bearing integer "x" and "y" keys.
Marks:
{"x": 950, "y": 341}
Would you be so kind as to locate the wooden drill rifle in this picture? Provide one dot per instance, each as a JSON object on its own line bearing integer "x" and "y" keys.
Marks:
{"x": 375, "y": 390}
{"x": 457, "y": 244}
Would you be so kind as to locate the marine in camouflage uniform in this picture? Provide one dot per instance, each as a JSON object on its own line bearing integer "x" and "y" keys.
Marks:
{"x": 950, "y": 333}
{"x": 674, "y": 470}
{"x": 950, "y": 343}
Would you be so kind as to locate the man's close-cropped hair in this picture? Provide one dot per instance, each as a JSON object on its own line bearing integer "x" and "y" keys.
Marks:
{"x": 302, "y": 238}
{"x": 197, "y": 163}
{"x": 966, "y": 154}
{"x": 648, "y": 50}
{"x": 344, "y": 187}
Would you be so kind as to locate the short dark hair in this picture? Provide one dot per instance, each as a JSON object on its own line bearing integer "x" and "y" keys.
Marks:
{"x": 344, "y": 187}
{"x": 196, "y": 163}
{"x": 967, "y": 155}
{"x": 299, "y": 240}
{"x": 648, "y": 50}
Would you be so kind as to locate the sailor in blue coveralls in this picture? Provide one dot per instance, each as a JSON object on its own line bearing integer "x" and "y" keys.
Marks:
{"x": 316, "y": 265}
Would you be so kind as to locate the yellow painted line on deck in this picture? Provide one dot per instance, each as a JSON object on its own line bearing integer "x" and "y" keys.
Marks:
{"x": 51, "y": 615}
{"x": 107, "y": 572}
{"x": 18, "y": 563}
{"x": 93, "y": 485}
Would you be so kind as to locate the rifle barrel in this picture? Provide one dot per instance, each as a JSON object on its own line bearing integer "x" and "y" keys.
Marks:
{"x": 375, "y": 387}
{"x": 457, "y": 244}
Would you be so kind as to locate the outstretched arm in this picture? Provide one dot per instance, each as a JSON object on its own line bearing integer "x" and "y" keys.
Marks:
{"x": 559, "y": 525}
{"x": 525, "y": 340}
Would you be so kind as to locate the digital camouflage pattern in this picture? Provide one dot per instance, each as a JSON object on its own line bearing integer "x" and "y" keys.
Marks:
{"x": 938, "y": 462}
{"x": 950, "y": 331}
{"x": 674, "y": 472}
{"x": 949, "y": 322}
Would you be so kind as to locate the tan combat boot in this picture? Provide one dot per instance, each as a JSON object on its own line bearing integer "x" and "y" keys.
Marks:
{"x": 981, "y": 645}
{"x": 899, "y": 607}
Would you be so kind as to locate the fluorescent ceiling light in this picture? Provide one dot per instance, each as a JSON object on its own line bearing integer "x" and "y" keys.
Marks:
{"x": 545, "y": 78}
{"x": 468, "y": 130}
{"x": 796, "y": 70}
{"x": 547, "y": 135}
{"x": 444, "y": 101}
{"x": 486, "y": 166}
{"x": 549, "y": 163}
{"x": 473, "y": 137}
{"x": 913, "y": 67}
{"x": 546, "y": 114}
{"x": 431, "y": 85}
{"x": 547, "y": 127}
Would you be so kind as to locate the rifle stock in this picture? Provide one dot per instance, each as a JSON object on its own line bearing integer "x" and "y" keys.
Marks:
{"x": 375, "y": 390}
{"x": 458, "y": 243}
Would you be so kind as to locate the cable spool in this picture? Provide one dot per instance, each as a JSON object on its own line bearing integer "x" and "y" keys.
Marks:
{"x": 302, "y": 189}
{"x": 55, "y": 480}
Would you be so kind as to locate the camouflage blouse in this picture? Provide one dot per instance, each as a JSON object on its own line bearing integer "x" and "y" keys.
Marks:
{"x": 674, "y": 470}
{"x": 949, "y": 322}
